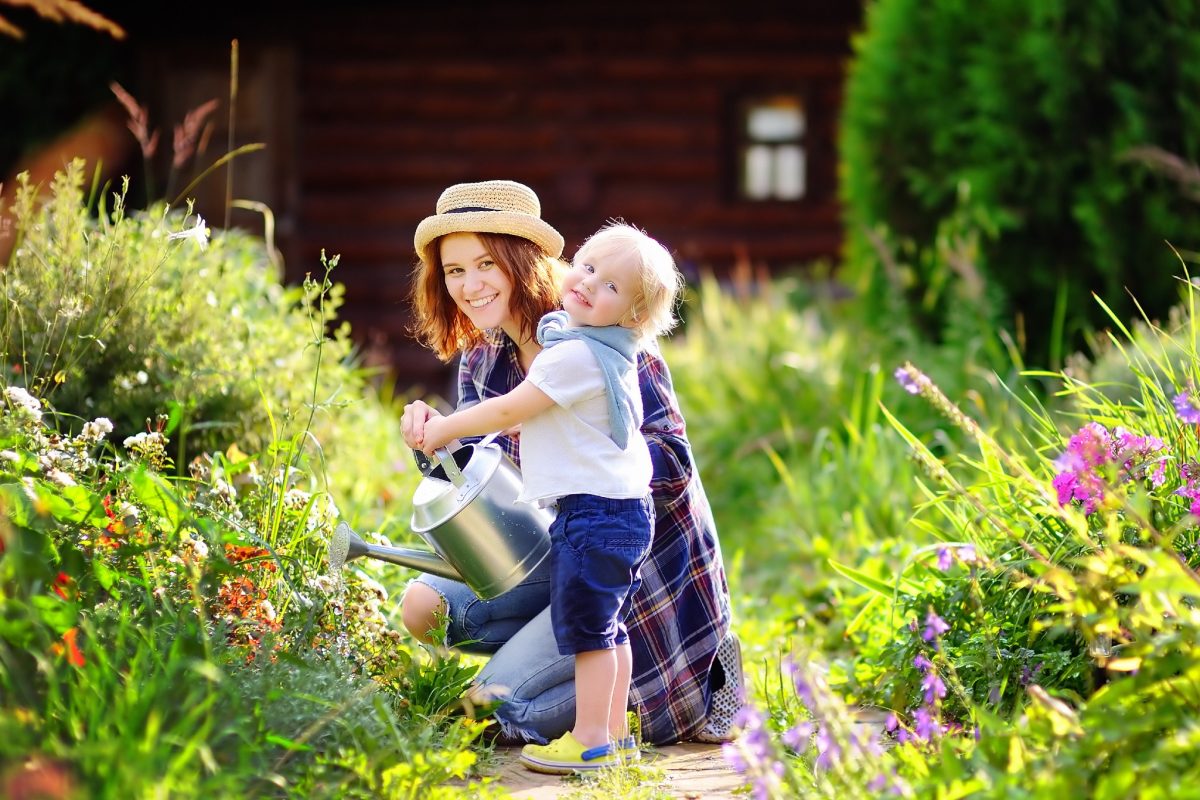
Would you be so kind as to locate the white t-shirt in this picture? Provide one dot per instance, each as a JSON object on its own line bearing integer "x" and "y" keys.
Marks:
{"x": 567, "y": 449}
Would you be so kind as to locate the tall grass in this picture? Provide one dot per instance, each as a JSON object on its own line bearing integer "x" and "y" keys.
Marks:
{"x": 1048, "y": 646}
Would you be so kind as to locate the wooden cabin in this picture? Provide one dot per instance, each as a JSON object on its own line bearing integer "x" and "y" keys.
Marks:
{"x": 709, "y": 124}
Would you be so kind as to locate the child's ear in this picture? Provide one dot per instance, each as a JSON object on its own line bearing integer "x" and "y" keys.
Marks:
{"x": 631, "y": 319}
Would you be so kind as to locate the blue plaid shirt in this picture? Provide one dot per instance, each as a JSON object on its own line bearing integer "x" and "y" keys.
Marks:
{"x": 681, "y": 612}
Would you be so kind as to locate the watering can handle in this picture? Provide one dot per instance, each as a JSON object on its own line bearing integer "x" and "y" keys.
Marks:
{"x": 425, "y": 465}
{"x": 447, "y": 461}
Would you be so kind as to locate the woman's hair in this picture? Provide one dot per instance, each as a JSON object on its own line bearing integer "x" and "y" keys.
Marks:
{"x": 439, "y": 324}
{"x": 653, "y": 308}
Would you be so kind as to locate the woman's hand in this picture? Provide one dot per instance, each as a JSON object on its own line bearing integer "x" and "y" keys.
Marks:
{"x": 412, "y": 422}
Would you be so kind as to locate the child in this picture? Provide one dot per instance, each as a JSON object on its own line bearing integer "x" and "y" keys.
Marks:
{"x": 580, "y": 413}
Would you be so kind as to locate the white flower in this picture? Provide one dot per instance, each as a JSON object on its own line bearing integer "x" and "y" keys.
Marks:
{"x": 70, "y": 308}
{"x": 23, "y": 402}
{"x": 324, "y": 583}
{"x": 60, "y": 477}
{"x": 198, "y": 547}
{"x": 296, "y": 499}
{"x": 198, "y": 233}
{"x": 97, "y": 429}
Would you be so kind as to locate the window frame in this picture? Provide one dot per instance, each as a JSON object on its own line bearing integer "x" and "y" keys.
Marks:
{"x": 738, "y": 139}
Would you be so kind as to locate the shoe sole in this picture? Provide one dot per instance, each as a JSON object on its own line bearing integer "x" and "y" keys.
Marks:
{"x": 559, "y": 768}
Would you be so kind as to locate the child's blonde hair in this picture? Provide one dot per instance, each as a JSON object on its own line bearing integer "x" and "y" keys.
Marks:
{"x": 653, "y": 310}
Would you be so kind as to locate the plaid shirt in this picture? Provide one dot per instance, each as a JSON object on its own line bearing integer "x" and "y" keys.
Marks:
{"x": 681, "y": 612}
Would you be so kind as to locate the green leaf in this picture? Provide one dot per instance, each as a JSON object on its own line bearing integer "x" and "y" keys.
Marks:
{"x": 155, "y": 495}
{"x": 287, "y": 744}
{"x": 18, "y": 506}
{"x": 106, "y": 576}
{"x": 872, "y": 583}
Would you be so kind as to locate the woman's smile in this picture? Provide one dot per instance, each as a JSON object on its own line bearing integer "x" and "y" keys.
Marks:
{"x": 480, "y": 302}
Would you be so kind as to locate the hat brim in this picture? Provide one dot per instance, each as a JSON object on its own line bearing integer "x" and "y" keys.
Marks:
{"x": 513, "y": 223}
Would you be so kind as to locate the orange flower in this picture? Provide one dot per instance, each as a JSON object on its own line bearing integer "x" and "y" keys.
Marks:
{"x": 70, "y": 647}
{"x": 239, "y": 553}
{"x": 62, "y": 582}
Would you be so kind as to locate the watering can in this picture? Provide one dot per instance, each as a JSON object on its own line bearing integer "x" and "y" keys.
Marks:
{"x": 466, "y": 510}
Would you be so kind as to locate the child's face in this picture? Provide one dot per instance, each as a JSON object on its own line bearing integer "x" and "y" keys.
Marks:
{"x": 599, "y": 289}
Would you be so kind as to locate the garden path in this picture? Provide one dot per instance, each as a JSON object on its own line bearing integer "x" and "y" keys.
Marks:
{"x": 691, "y": 771}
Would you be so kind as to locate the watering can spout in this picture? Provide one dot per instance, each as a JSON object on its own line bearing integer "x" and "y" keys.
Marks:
{"x": 346, "y": 545}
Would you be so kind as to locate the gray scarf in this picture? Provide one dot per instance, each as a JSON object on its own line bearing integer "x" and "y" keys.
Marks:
{"x": 615, "y": 348}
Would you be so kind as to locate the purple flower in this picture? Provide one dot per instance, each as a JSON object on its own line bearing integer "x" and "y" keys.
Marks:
{"x": 924, "y": 726}
{"x": 803, "y": 690}
{"x": 945, "y": 559}
{"x": 1079, "y": 478}
{"x": 828, "y": 749}
{"x": 967, "y": 554}
{"x": 1187, "y": 407}
{"x": 797, "y": 736}
{"x": 907, "y": 379}
{"x": 933, "y": 686}
{"x": 1136, "y": 455}
{"x": 935, "y": 626}
{"x": 1191, "y": 485}
{"x": 1028, "y": 674}
{"x": 734, "y": 758}
{"x": 922, "y": 663}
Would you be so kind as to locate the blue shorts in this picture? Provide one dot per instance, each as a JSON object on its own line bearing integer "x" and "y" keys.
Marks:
{"x": 597, "y": 546}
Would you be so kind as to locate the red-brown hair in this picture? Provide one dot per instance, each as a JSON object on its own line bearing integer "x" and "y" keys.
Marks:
{"x": 438, "y": 323}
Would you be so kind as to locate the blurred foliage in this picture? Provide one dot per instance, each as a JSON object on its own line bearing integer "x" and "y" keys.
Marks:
{"x": 49, "y": 80}
{"x": 1053, "y": 124}
{"x": 781, "y": 385}
{"x": 111, "y": 314}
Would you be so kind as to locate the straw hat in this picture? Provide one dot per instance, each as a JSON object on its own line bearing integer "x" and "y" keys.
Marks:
{"x": 489, "y": 207}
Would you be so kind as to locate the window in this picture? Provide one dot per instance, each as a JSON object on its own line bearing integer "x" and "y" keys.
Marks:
{"x": 772, "y": 159}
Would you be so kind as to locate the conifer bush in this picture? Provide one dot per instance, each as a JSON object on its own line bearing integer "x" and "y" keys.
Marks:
{"x": 1063, "y": 127}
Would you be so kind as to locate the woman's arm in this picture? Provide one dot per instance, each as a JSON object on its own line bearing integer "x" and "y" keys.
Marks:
{"x": 663, "y": 427}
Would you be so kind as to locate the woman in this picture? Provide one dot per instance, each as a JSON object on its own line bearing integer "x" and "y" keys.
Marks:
{"x": 488, "y": 271}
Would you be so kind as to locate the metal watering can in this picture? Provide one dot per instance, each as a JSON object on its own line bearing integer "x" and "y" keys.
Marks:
{"x": 466, "y": 510}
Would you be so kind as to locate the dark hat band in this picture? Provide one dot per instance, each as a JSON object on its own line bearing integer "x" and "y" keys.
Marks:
{"x": 467, "y": 209}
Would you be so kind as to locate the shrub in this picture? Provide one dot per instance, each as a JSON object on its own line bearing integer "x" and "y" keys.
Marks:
{"x": 1045, "y": 122}
{"x": 115, "y": 315}
{"x": 155, "y": 634}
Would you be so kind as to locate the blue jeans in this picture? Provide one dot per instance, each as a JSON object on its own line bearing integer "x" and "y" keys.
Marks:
{"x": 537, "y": 684}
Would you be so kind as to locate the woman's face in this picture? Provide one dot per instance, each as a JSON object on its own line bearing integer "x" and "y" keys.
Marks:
{"x": 475, "y": 281}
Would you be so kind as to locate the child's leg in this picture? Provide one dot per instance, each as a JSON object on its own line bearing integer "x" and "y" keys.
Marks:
{"x": 595, "y": 679}
{"x": 618, "y": 722}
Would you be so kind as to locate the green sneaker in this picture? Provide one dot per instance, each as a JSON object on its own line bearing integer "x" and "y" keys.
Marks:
{"x": 565, "y": 755}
